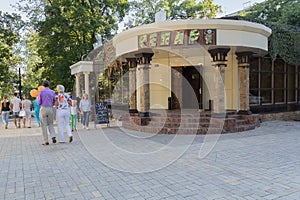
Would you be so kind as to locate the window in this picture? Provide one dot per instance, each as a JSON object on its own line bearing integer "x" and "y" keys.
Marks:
{"x": 291, "y": 83}
{"x": 254, "y": 82}
{"x": 279, "y": 81}
{"x": 273, "y": 82}
{"x": 266, "y": 81}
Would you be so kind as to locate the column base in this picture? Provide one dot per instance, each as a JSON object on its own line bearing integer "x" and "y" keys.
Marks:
{"x": 144, "y": 114}
{"x": 244, "y": 112}
{"x": 133, "y": 111}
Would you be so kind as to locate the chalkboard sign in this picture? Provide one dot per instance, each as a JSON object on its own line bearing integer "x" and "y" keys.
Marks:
{"x": 101, "y": 110}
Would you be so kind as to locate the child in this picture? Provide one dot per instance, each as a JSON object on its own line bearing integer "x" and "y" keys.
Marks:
{"x": 73, "y": 114}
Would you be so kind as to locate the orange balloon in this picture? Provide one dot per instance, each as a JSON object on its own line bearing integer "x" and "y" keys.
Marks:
{"x": 34, "y": 93}
{"x": 41, "y": 88}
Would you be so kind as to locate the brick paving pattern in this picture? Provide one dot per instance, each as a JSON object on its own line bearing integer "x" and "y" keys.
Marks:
{"x": 259, "y": 164}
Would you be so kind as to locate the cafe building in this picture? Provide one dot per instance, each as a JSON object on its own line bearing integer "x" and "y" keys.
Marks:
{"x": 201, "y": 76}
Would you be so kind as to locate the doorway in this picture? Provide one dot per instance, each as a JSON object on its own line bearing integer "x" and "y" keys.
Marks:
{"x": 187, "y": 88}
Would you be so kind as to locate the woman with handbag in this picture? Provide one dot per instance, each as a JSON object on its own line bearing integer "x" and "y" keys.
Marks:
{"x": 4, "y": 109}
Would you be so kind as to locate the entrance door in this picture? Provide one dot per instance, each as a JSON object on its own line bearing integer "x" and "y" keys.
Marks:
{"x": 187, "y": 85}
{"x": 192, "y": 88}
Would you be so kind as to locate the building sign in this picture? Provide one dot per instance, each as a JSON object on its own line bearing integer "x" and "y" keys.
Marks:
{"x": 178, "y": 38}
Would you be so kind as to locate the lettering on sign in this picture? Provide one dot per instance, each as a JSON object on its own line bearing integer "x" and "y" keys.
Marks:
{"x": 178, "y": 38}
{"x": 101, "y": 110}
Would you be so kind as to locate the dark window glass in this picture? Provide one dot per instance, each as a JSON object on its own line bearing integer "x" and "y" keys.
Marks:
{"x": 266, "y": 64}
{"x": 291, "y": 95}
{"x": 254, "y": 65}
{"x": 279, "y": 80}
{"x": 254, "y": 80}
{"x": 279, "y": 96}
{"x": 291, "y": 83}
{"x": 266, "y": 80}
{"x": 279, "y": 66}
{"x": 254, "y": 98}
{"x": 266, "y": 96}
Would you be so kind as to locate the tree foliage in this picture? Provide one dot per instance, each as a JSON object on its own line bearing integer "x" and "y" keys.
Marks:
{"x": 66, "y": 29}
{"x": 10, "y": 25}
{"x": 143, "y": 11}
{"x": 283, "y": 17}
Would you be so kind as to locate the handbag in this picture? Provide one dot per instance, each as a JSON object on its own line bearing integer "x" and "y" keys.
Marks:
{"x": 22, "y": 113}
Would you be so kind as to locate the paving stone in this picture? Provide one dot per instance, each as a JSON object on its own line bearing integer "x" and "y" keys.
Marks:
{"x": 257, "y": 164}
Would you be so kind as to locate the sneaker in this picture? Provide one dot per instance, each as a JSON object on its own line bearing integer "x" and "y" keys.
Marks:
{"x": 87, "y": 128}
{"x": 47, "y": 143}
{"x": 70, "y": 139}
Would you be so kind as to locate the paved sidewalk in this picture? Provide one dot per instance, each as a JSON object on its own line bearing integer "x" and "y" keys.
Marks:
{"x": 111, "y": 163}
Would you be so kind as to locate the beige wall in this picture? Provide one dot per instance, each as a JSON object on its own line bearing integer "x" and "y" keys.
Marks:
{"x": 160, "y": 87}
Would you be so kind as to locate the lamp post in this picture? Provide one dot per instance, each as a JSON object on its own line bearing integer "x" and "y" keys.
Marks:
{"x": 20, "y": 83}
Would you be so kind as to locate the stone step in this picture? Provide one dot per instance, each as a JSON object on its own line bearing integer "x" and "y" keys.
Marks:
{"x": 165, "y": 130}
{"x": 245, "y": 127}
{"x": 181, "y": 119}
{"x": 240, "y": 122}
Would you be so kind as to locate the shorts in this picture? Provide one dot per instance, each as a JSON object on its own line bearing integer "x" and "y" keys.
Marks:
{"x": 15, "y": 115}
{"x": 28, "y": 113}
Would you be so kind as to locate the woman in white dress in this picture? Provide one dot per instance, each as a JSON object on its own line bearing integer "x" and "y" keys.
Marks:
{"x": 62, "y": 103}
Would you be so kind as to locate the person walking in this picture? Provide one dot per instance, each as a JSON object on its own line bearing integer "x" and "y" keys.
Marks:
{"x": 15, "y": 105}
{"x": 4, "y": 110}
{"x": 85, "y": 108}
{"x": 46, "y": 100}
{"x": 36, "y": 108}
{"x": 62, "y": 101}
{"x": 79, "y": 116}
{"x": 26, "y": 105}
{"x": 74, "y": 111}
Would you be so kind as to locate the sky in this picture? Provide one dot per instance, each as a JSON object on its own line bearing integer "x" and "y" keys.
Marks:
{"x": 228, "y": 6}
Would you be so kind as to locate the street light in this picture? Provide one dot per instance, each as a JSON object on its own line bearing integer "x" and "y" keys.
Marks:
{"x": 20, "y": 83}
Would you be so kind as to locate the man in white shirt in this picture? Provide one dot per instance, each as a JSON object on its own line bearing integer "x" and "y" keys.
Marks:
{"x": 15, "y": 105}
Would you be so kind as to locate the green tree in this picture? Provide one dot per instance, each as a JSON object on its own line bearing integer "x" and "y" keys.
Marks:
{"x": 143, "y": 12}
{"x": 32, "y": 63}
{"x": 10, "y": 26}
{"x": 66, "y": 32}
{"x": 283, "y": 17}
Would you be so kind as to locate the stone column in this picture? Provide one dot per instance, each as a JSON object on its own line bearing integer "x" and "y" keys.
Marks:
{"x": 77, "y": 82}
{"x": 143, "y": 60}
{"x": 243, "y": 64}
{"x": 219, "y": 61}
{"x": 132, "y": 63}
{"x": 86, "y": 83}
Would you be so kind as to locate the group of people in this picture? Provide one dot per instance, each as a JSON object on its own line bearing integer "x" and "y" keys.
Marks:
{"x": 49, "y": 106}
{"x": 16, "y": 105}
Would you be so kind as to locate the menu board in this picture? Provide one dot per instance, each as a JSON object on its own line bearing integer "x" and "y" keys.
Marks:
{"x": 101, "y": 111}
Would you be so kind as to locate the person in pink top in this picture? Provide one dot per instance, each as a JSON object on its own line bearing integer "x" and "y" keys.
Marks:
{"x": 46, "y": 99}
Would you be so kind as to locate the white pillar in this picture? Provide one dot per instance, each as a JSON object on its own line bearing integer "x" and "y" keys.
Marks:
{"x": 77, "y": 76}
{"x": 86, "y": 83}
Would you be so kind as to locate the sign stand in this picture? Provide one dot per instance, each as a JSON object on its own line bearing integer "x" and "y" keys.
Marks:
{"x": 101, "y": 113}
